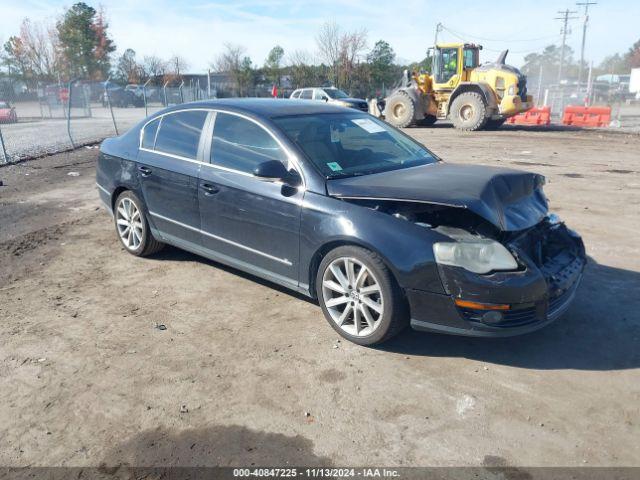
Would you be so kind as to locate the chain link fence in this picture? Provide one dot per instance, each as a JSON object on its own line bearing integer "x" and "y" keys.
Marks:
{"x": 63, "y": 116}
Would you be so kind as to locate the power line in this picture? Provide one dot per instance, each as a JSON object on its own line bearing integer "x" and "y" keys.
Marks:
{"x": 476, "y": 37}
{"x": 565, "y": 20}
{"x": 460, "y": 37}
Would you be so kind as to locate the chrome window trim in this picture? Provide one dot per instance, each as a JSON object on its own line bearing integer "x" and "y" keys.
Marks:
{"x": 291, "y": 157}
{"x": 222, "y": 239}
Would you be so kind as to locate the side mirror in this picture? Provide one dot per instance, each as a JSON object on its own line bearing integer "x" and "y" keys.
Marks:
{"x": 271, "y": 171}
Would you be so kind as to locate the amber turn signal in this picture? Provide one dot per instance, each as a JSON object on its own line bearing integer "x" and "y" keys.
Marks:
{"x": 481, "y": 306}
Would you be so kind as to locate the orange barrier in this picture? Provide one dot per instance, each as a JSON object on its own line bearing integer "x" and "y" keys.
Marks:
{"x": 587, "y": 116}
{"x": 534, "y": 116}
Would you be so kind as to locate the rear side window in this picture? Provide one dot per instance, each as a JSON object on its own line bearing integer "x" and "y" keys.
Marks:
{"x": 240, "y": 144}
{"x": 180, "y": 133}
{"x": 307, "y": 94}
{"x": 149, "y": 134}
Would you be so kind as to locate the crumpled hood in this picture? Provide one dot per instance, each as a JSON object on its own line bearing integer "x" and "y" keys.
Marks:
{"x": 509, "y": 199}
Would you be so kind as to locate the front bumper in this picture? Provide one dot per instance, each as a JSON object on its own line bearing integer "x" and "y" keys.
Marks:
{"x": 537, "y": 295}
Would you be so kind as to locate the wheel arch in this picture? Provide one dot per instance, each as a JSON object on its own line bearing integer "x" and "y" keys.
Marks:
{"x": 481, "y": 88}
{"x": 116, "y": 193}
{"x": 327, "y": 247}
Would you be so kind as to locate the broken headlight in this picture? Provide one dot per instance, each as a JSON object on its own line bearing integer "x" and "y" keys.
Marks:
{"x": 478, "y": 255}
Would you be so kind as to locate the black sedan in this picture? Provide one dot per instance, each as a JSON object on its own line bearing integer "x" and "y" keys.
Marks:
{"x": 342, "y": 207}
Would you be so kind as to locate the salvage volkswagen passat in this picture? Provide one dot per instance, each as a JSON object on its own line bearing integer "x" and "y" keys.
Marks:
{"x": 342, "y": 207}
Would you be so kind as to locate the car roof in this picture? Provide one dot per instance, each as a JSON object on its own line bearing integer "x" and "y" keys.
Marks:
{"x": 267, "y": 107}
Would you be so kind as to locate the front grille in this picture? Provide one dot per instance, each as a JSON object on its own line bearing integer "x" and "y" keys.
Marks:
{"x": 560, "y": 258}
{"x": 511, "y": 318}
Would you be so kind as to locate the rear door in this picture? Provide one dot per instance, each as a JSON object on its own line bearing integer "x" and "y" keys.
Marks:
{"x": 170, "y": 157}
{"x": 253, "y": 222}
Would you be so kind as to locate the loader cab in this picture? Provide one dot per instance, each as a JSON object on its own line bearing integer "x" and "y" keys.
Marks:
{"x": 453, "y": 63}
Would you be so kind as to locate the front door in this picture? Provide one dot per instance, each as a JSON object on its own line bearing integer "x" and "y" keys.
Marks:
{"x": 252, "y": 223}
{"x": 168, "y": 164}
{"x": 447, "y": 72}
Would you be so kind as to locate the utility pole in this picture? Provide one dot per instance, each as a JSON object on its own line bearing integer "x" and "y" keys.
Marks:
{"x": 565, "y": 21}
{"x": 584, "y": 35}
{"x": 438, "y": 30}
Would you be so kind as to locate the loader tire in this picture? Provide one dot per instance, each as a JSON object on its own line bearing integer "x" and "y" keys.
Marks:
{"x": 427, "y": 121}
{"x": 468, "y": 112}
{"x": 399, "y": 110}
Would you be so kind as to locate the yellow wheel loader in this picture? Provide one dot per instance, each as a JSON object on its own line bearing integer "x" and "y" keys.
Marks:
{"x": 471, "y": 95}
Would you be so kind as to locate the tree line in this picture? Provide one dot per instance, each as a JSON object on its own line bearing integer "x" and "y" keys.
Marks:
{"x": 547, "y": 63}
{"x": 79, "y": 46}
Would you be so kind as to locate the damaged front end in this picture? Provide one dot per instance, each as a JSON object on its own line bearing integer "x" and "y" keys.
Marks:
{"x": 497, "y": 282}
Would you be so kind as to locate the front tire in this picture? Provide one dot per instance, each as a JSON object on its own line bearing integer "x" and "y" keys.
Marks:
{"x": 399, "y": 110}
{"x": 360, "y": 297}
{"x": 132, "y": 226}
{"x": 469, "y": 112}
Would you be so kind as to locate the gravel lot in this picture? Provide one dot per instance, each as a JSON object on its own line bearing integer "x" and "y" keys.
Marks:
{"x": 246, "y": 373}
{"x": 33, "y": 136}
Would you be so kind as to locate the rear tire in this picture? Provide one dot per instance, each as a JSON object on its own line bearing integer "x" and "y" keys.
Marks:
{"x": 399, "y": 110}
{"x": 132, "y": 226}
{"x": 468, "y": 112}
{"x": 359, "y": 296}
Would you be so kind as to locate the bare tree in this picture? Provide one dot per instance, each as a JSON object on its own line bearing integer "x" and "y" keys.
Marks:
{"x": 177, "y": 65}
{"x": 329, "y": 45}
{"x": 341, "y": 50}
{"x": 352, "y": 48}
{"x": 153, "y": 67}
{"x": 32, "y": 54}
{"x": 231, "y": 61}
{"x": 39, "y": 44}
{"x": 301, "y": 68}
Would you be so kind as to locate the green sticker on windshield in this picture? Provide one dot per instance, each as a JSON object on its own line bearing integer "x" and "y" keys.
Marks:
{"x": 334, "y": 166}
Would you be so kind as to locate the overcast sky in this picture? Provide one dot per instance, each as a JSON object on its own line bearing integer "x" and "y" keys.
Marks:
{"x": 197, "y": 29}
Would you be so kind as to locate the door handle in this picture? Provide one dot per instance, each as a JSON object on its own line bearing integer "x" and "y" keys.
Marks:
{"x": 145, "y": 171}
{"x": 209, "y": 189}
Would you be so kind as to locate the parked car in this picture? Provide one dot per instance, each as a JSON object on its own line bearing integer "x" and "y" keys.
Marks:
{"x": 7, "y": 113}
{"x": 344, "y": 208}
{"x": 330, "y": 95}
{"x": 122, "y": 98}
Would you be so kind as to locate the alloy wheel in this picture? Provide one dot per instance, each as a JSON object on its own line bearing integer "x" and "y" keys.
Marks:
{"x": 352, "y": 296}
{"x": 129, "y": 223}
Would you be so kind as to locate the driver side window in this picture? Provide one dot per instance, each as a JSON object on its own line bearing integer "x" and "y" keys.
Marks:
{"x": 240, "y": 144}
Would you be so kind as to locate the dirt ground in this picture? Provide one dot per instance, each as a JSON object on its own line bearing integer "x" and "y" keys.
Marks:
{"x": 248, "y": 374}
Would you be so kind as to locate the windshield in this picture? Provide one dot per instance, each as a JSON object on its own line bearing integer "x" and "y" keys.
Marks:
{"x": 335, "y": 93}
{"x": 345, "y": 144}
{"x": 4, "y": 105}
